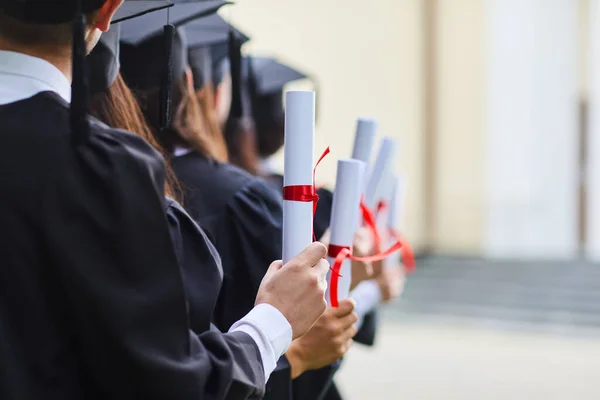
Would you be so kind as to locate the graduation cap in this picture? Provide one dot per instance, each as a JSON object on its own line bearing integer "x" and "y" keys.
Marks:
{"x": 209, "y": 48}
{"x": 142, "y": 42}
{"x": 48, "y": 12}
{"x": 103, "y": 61}
{"x": 136, "y": 8}
{"x": 265, "y": 81}
{"x": 270, "y": 76}
{"x": 152, "y": 54}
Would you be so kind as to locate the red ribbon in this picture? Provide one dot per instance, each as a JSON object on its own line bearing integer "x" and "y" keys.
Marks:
{"x": 407, "y": 253}
{"x": 371, "y": 223}
{"x": 346, "y": 252}
{"x": 340, "y": 253}
{"x": 305, "y": 193}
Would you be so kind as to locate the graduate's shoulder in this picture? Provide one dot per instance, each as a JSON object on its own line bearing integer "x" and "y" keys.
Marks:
{"x": 216, "y": 179}
{"x": 45, "y": 119}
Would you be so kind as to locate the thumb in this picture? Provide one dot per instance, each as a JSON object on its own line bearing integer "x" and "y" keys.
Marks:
{"x": 345, "y": 307}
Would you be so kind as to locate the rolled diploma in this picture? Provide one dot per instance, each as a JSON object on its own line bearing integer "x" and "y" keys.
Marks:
{"x": 392, "y": 214}
{"x": 383, "y": 163}
{"x": 367, "y": 294}
{"x": 366, "y": 130}
{"x": 344, "y": 217}
{"x": 298, "y": 170}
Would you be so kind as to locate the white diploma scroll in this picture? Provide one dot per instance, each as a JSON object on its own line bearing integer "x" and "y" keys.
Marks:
{"x": 366, "y": 130}
{"x": 393, "y": 212}
{"x": 383, "y": 164}
{"x": 298, "y": 170}
{"x": 344, "y": 217}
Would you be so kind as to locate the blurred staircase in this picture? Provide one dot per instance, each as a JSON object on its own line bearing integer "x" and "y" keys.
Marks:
{"x": 562, "y": 297}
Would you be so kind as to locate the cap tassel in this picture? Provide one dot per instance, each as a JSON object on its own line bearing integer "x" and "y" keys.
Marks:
{"x": 166, "y": 81}
{"x": 235, "y": 60}
{"x": 79, "y": 87}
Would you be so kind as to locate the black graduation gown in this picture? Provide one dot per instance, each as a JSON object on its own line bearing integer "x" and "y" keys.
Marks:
{"x": 93, "y": 305}
{"x": 243, "y": 215}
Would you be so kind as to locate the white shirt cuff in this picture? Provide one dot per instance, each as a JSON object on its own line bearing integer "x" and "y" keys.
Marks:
{"x": 271, "y": 331}
{"x": 367, "y": 296}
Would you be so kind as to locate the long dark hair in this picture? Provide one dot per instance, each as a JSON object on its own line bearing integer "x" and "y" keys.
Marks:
{"x": 240, "y": 136}
{"x": 189, "y": 127}
{"x": 118, "y": 108}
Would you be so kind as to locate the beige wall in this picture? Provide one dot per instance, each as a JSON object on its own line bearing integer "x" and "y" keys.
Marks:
{"x": 459, "y": 202}
{"x": 368, "y": 61}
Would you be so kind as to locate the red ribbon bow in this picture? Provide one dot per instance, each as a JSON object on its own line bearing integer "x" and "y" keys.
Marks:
{"x": 305, "y": 193}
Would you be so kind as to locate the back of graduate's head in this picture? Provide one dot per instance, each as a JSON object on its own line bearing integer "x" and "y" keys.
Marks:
{"x": 43, "y": 27}
{"x": 266, "y": 80}
{"x": 141, "y": 68}
{"x": 117, "y": 107}
{"x": 269, "y": 120}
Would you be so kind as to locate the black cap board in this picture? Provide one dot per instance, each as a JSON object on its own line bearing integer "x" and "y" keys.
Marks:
{"x": 103, "y": 61}
{"x": 209, "y": 48}
{"x": 265, "y": 82}
{"x": 142, "y": 43}
{"x": 271, "y": 76}
{"x": 136, "y": 8}
{"x": 48, "y": 11}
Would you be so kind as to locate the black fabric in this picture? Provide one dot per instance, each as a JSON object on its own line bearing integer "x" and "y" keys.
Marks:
{"x": 136, "y": 8}
{"x": 143, "y": 65}
{"x": 279, "y": 386}
{"x": 333, "y": 393}
{"x": 243, "y": 216}
{"x": 48, "y": 12}
{"x": 103, "y": 61}
{"x": 200, "y": 266}
{"x": 315, "y": 385}
{"x": 92, "y": 300}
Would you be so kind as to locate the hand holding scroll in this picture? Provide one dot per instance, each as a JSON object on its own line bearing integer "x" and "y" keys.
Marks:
{"x": 297, "y": 289}
{"x": 327, "y": 341}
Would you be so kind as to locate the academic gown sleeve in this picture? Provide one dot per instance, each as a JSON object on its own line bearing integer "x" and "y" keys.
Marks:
{"x": 248, "y": 237}
{"x": 202, "y": 274}
{"x": 110, "y": 244}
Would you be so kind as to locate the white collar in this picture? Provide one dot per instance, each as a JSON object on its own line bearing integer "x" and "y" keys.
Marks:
{"x": 23, "y": 76}
{"x": 179, "y": 151}
{"x": 266, "y": 166}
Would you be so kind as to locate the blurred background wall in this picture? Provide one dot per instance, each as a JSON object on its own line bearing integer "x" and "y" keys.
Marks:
{"x": 491, "y": 101}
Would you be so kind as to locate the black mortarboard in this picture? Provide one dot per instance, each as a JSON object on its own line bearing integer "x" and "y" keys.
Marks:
{"x": 142, "y": 43}
{"x": 209, "y": 47}
{"x": 103, "y": 61}
{"x": 271, "y": 76}
{"x": 136, "y": 8}
{"x": 48, "y": 12}
{"x": 265, "y": 82}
